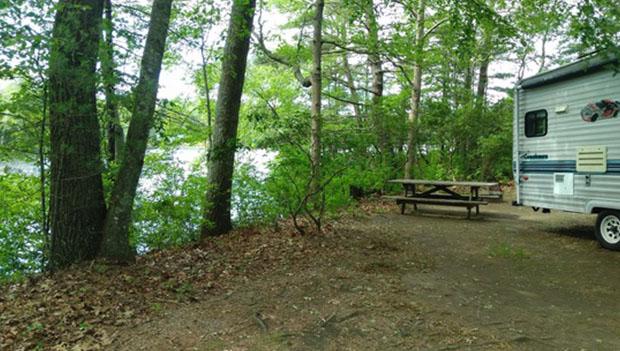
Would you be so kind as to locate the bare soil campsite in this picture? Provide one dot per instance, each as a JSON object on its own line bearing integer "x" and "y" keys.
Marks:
{"x": 510, "y": 279}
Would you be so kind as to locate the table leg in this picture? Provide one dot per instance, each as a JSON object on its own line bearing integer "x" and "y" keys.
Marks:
{"x": 402, "y": 208}
{"x": 477, "y": 210}
{"x": 409, "y": 189}
{"x": 468, "y": 212}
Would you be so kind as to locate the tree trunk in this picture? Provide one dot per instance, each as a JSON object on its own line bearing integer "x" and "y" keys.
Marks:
{"x": 217, "y": 218}
{"x": 315, "y": 136}
{"x": 205, "y": 78}
{"x": 416, "y": 92}
{"x": 468, "y": 81}
{"x": 77, "y": 205}
{"x": 115, "y": 133}
{"x": 352, "y": 89}
{"x": 376, "y": 70}
{"x": 116, "y": 232}
{"x": 483, "y": 81}
{"x": 42, "y": 174}
{"x": 543, "y": 54}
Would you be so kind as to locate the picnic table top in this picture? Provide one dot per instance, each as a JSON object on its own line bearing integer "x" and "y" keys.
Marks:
{"x": 443, "y": 183}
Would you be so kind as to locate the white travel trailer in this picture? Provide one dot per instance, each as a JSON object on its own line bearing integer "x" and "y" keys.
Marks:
{"x": 566, "y": 147}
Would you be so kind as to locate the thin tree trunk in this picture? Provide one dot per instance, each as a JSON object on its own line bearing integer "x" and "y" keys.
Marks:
{"x": 42, "y": 175}
{"x": 352, "y": 89}
{"x": 115, "y": 133}
{"x": 77, "y": 205}
{"x": 445, "y": 82}
{"x": 205, "y": 78}
{"x": 522, "y": 59}
{"x": 543, "y": 55}
{"x": 315, "y": 150}
{"x": 116, "y": 232}
{"x": 376, "y": 70}
{"x": 45, "y": 218}
{"x": 416, "y": 92}
{"x": 217, "y": 217}
{"x": 483, "y": 81}
{"x": 468, "y": 81}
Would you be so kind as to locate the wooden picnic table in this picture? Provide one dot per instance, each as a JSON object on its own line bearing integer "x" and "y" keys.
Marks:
{"x": 441, "y": 192}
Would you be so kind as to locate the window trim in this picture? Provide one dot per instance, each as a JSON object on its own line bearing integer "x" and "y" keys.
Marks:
{"x": 535, "y": 112}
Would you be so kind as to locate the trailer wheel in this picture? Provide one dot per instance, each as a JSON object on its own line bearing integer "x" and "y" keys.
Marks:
{"x": 608, "y": 229}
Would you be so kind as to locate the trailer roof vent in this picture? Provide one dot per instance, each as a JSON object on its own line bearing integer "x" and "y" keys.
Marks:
{"x": 592, "y": 159}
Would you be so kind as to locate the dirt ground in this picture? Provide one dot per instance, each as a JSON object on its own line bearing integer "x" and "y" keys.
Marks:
{"x": 510, "y": 279}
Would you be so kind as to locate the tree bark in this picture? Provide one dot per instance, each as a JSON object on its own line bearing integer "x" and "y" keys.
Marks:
{"x": 376, "y": 70}
{"x": 217, "y": 216}
{"x": 483, "y": 81}
{"x": 315, "y": 134}
{"x": 116, "y": 231}
{"x": 205, "y": 78}
{"x": 468, "y": 82}
{"x": 115, "y": 133}
{"x": 543, "y": 54}
{"x": 77, "y": 206}
{"x": 352, "y": 89}
{"x": 42, "y": 174}
{"x": 416, "y": 92}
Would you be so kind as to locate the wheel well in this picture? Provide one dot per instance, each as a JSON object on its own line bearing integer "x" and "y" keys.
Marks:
{"x": 597, "y": 210}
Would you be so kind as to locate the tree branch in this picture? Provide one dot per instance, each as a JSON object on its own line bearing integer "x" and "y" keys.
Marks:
{"x": 346, "y": 48}
{"x": 432, "y": 29}
{"x": 342, "y": 99}
{"x": 260, "y": 40}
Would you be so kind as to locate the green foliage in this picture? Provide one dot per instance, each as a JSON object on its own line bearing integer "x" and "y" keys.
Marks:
{"x": 167, "y": 209}
{"x": 20, "y": 122}
{"x": 21, "y": 241}
{"x": 252, "y": 203}
{"x": 472, "y": 142}
{"x": 597, "y": 25}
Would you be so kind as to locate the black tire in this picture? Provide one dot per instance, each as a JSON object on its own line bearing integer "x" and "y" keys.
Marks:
{"x": 607, "y": 229}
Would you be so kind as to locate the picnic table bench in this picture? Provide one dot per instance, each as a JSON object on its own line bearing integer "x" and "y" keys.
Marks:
{"x": 443, "y": 193}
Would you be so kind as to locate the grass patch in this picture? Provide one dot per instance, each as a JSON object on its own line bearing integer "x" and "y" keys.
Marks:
{"x": 506, "y": 250}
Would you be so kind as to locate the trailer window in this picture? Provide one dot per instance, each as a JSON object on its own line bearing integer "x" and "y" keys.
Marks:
{"x": 536, "y": 123}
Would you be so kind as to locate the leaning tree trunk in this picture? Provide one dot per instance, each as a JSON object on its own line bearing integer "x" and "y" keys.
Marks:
{"x": 77, "y": 205}
{"x": 115, "y": 133}
{"x": 217, "y": 218}
{"x": 116, "y": 232}
{"x": 315, "y": 113}
{"x": 416, "y": 92}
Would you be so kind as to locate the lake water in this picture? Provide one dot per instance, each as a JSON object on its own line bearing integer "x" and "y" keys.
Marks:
{"x": 188, "y": 155}
{"x": 184, "y": 156}
{"x": 18, "y": 167}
